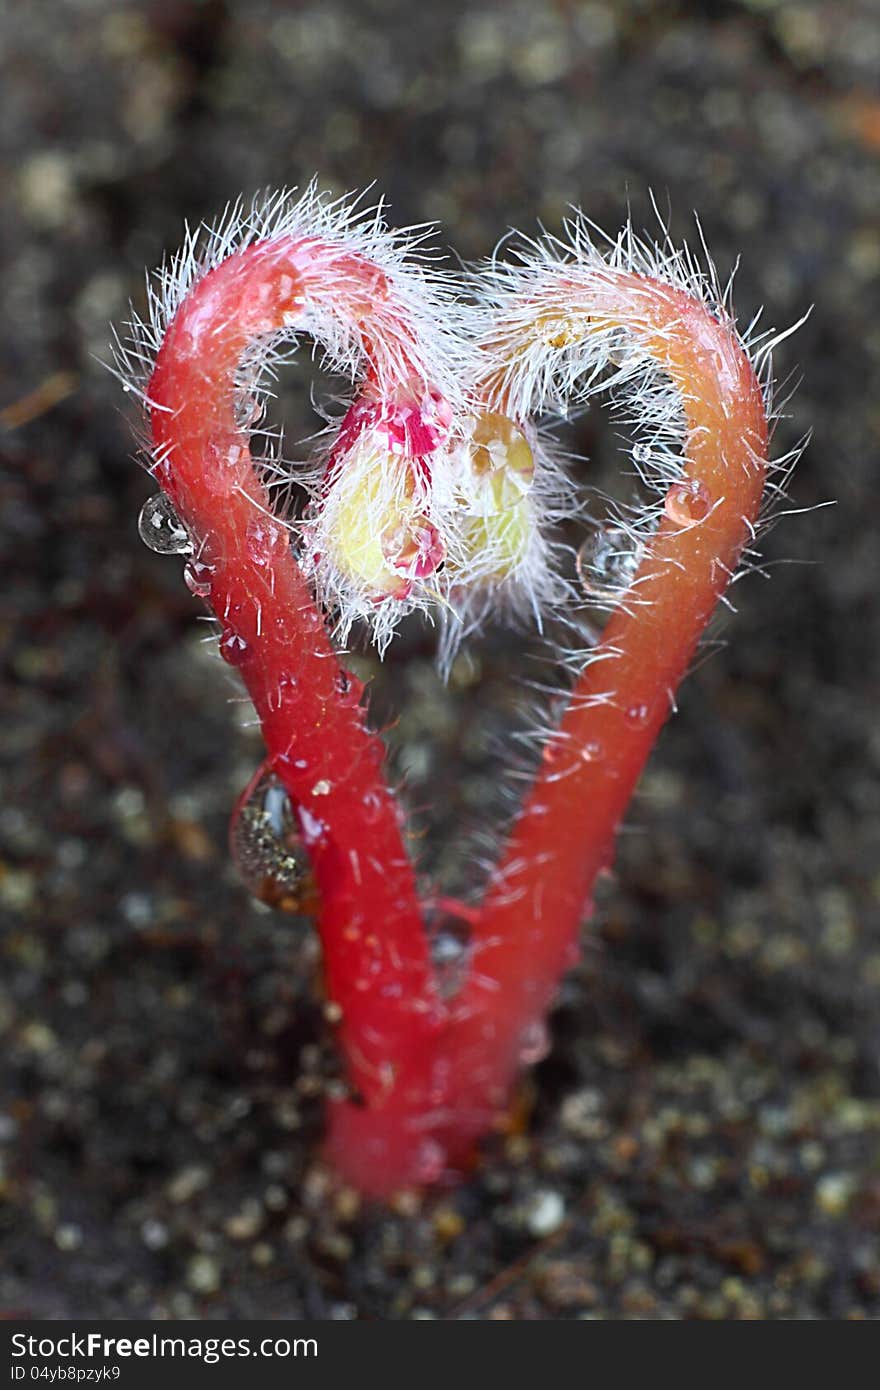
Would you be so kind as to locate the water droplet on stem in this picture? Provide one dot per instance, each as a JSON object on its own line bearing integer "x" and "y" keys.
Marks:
{"x": 268, "y": 850}
{"x": 607, "y": 562}
{"x": 688, "y": 502}
{"x": 637, "y": 715}
{"x": 233, "y": 647}
{"x": 197, "y": 577}
{"x": 161, "y": 529}
{"x": 265, "y": 539}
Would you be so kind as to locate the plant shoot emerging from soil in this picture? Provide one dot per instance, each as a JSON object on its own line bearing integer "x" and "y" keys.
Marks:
{"x": 438, "y": 490}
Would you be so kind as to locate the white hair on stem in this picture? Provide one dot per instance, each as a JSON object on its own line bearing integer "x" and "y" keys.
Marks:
{"x": 541, "y": 359}
{"x": 431, "y": 321}
{"x": 422, "y": 295}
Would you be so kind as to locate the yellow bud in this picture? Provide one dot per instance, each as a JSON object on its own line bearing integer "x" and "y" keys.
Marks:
{"x": 502, "y": 469}
{"x": 372, "y": 525}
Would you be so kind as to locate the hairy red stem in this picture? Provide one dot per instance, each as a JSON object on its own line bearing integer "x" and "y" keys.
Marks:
{"x": 375, "y": 952}
{"x": 564, "y": 834}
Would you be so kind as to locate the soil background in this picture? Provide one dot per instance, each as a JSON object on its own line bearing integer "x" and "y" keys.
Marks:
{"x": 702, "y": 1139}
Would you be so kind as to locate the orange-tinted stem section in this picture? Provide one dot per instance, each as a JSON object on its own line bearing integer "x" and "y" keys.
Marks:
{"x": 564, "y": 835}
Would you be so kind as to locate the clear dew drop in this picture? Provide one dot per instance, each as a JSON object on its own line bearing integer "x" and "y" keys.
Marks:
{"x": 161, "y": 529}
{"x": 642, "y": 453}
{"x": 534, "y": 1043}
{"x": 265, "y": 538}
{"x": 687, "y": 503}
{"x": 197, "y": 577}
{"x": 268, "y": 850}
{"x": 412, "y": 546}
{"x": 607, "y": 562}
{"x": 233, "y": 647}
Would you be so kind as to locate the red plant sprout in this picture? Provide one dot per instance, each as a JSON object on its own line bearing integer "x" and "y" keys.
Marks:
{"x": 437, "y": 490}
{"x": 296, "y": 270}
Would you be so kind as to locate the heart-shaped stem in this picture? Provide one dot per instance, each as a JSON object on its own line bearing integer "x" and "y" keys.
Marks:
{"x": 432, "y": 1076}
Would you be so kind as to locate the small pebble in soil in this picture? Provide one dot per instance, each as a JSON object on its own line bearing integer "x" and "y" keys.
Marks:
{"x": 203, "y": 1274}
{"x": 545, "y": 1212}
{"x": 154, "y": 1234}
{"x": 68, "y": 1237}
{"x": 187, "y": 1182}
{"x": 833, "y": 1193}
{"x": 246, "y": 1222}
